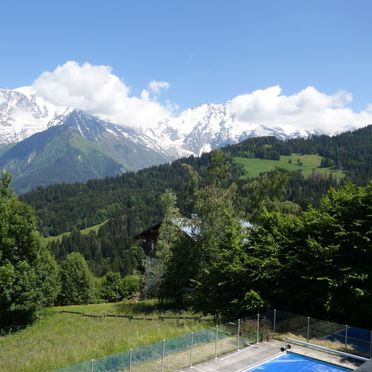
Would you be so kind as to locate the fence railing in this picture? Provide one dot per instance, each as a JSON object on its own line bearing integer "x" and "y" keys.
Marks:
{"x": 134, "y": 317}
{"x": 179, "y": 352}
{"x": 345, "y": 338}
{"x": 215, "y": 341}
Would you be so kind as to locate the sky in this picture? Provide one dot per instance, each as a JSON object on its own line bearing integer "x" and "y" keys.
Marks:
{"x": 163, "y": 56}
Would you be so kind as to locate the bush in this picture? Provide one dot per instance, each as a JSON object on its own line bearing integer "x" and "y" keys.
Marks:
{"x": 130, "y": 286}
{"x": 110, "y": 290}
{"x": 77, "y": 281}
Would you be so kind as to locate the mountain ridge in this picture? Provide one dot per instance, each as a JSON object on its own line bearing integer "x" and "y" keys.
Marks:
{"x": 195, "y": 130}
{"x": 78, "y": 148}
{"x": 96, "y": 148}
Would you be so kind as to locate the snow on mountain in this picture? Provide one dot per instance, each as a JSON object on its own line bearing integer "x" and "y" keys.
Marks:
{"x": 194, "y": 131}
{"x": 22, "y": 114}
{"x": 77, "y": 148}
{"x": 94, "y": 129}
{"x": 209, "y": 126}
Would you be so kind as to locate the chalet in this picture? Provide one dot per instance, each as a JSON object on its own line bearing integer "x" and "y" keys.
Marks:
{"x": 149, "y": 237}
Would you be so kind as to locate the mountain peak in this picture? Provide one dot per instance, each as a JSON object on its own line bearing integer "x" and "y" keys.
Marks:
{"x": 22, "y": 114}
{"x": 195, "y": 130}
{"x": 79, "y": 115}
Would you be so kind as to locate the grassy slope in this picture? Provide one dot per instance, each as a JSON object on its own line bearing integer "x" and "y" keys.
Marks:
{"x": 58, "y": 340}
{"x": 86, "y": 231}
{"x": 310, "y": 163}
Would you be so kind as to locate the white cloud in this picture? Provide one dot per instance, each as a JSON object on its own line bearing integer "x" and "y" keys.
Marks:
{"x": 98, "y": 91}
{"x": 156, "y": 86}
{"x": 307, "y": 109}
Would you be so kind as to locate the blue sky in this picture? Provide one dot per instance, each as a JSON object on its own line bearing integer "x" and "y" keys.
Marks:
{"x": 209, "y": 51}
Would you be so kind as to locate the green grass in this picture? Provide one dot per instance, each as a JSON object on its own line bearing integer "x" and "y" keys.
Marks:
{"x": 308, "y": 164}
{"x": 85, "y": 231}
{"x": 58, "y": 340}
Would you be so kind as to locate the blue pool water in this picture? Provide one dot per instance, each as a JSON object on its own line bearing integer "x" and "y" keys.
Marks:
{"x": 291, "y": 362}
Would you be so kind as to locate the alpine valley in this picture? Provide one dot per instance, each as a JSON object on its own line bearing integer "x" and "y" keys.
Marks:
{"x": 42, "y": 144}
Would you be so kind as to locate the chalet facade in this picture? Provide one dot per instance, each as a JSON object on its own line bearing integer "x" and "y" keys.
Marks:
{"x": 149, "y": 238}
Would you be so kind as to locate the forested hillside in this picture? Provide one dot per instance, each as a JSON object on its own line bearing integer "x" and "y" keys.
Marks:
{"x": 65, "y": 207}
{"x": 300, "y": 238}
{"x": 349, "y": 151}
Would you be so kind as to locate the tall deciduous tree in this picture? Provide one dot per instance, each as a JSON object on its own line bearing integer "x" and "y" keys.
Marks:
{"x": 169, "y": 231}
{"x": 218, "y": 260}
{"x": 28, "y": 274}
{"x": 169, "y": 234}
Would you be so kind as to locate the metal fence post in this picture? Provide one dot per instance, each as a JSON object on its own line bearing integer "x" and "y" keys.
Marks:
{"x": 238, "y": 334}
{"x": 192, "y": 343}
{"x": 258, "y": 329}
{"x": 92, "y": 365}
{"x": 308, "y": 329}
{"x": 130, "y": 359}
{"x": 370, "y": 345}
{"x": 162, "y": 357}
{"x": 346, "y": 328}
{"x": 215, "y": 346}
{"x": 274, "y": 322}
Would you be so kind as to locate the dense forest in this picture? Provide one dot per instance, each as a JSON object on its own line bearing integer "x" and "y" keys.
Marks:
{"x": 315, "y": 262}
{"x": 309, "y": 232}
{"x": 65, "y": 207}
{"x": 131, "y": 202}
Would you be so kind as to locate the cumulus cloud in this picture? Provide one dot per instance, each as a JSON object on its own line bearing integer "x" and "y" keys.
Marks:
{"x": 157, "y": 86}
{"x": 97, "y": 90}
{"x": 308, "y": 109}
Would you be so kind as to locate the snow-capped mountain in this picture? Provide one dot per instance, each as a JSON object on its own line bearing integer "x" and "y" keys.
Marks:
{"x": 209, "y": 126}
{"x": 97, "y": 130}
{"x": 194, "y": 131}
{"x": 78, "y": 147}
{"x": 22, "y": 114}
{"x": 41, "y": 143}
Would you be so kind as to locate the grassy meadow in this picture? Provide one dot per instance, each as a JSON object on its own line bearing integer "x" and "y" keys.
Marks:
{"x": 307, "y": 164}
{"x": 85, "y": 231}
{"x": 58, "y": 340}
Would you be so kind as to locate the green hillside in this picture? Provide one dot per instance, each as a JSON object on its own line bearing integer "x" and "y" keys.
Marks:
{"x": 307, "y": 164}
{"x": 85, "y": 231}
{"x": 65, "y": 207}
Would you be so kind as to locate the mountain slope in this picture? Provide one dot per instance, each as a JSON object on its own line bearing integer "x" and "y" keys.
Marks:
{"x": 196, "y": 130}
{"x": 23, "y": 114}
{"x": 95, "y": 148}
{"x": 79, "y": 148}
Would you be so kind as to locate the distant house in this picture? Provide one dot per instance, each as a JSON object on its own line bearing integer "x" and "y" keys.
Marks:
{"x": 149, "y": 237}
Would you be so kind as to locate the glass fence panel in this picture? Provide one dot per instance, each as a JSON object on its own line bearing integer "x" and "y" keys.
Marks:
{"x": 216, "y": 341}
{"x": 324, "y": 333}
{"x": 291, "y": 324}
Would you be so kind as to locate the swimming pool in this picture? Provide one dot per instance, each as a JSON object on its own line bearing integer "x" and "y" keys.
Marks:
{"x": 291, "y": 362}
